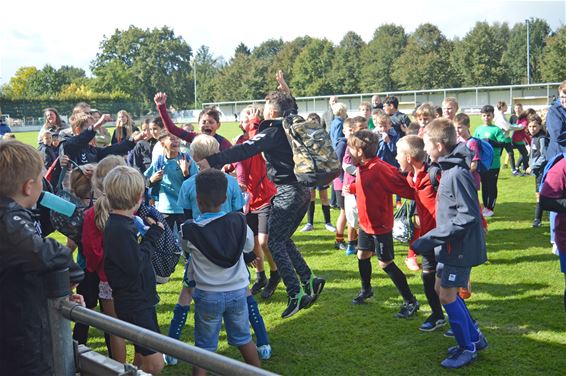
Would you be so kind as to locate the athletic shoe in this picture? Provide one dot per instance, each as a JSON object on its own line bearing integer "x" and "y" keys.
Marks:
{"x": 487, "y": 213}
{"x": 259, "y": 284}
{"x": 314, "y": 287}
{"x": 308, "y": 227}
{"x": 432, "y": 323}
{"x": 169, "y": 360}
{"x": 407, "y": 310}
{"x": 450, "y": 334}
{"x": 460, "y": 358}
{"x": 264, "y": 352}
{"x": 516, "y": 173}
{"x": 363, "y": 295}
{"x": 270, "y": 287}
{"x": 536, "y": 223}
{"x": 480, "y": 344}
{"x": 351, "y": 250}
{"x": 412, "y": 264}
{"x": 340, "y": 245}
{"x": 555, "y": 250}
{"x": 329, "y": 227}
{"x": 299, "y": 301}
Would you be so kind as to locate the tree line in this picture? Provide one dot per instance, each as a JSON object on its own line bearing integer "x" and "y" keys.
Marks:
{"x": 133, "y": 64}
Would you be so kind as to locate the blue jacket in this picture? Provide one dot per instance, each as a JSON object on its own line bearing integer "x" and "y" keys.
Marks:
{"x": 336, "y": 131}
{"x": 555, "y": 126}
{"x": 458, "y": 229}
{"x": 388, "y": 151}
{"x": 4, "y": 128}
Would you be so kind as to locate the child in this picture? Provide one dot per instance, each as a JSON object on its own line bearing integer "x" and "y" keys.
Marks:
{"x": 365, "y": 111}
{"x": 166, "y": 176}
{"x": 507, "y": 128}
{"x": 462, "y": 125}
{"x": 48, "y": 151}
{"x": 216, "y": 240}
{"x": 449, "y": 108}
{"x": 521, "y": 139}
{"x": 340, "y": 112}
{"x": 411, "y": 157}
{"x": 140, "y": 157}
{"x": 424, "y": 115}
{"x": 399, "y": 120}
{"x": 387, "y": 150}
{"x": 26, "y": 257}
{"x": 124, "y": 127}
{"x": 493, "y": 134}
{"x": 539, "y": 143}
{"x": 375, "y": 182}
{"x": 127, "y": 263}
{"x": 459, "y": 234}
{"x": 185, "y": 145}
{"x": 337, "y": 187}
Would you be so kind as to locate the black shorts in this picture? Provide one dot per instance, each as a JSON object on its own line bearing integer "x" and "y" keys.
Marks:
{"x": 145, "y": 318}
{"x": 339, "y": 199}
{"x": 382, "y": 245}
{"x": 257, "y": 220}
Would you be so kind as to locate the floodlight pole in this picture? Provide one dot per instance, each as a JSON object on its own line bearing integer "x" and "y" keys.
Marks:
{"x": 195, "y": 77}
{"x": 528, "y": 53}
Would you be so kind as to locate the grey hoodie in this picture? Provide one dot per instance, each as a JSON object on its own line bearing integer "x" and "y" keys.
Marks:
{"x": 459, "y": 229}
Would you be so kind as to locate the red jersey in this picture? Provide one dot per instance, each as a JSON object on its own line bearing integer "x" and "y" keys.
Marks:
{"x": 93, "y": 249}
{"x": 376, "y": 182}
{"x": 425, "y": 198}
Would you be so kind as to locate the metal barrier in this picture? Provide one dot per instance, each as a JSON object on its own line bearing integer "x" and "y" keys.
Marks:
{"x": 61, "y": 310}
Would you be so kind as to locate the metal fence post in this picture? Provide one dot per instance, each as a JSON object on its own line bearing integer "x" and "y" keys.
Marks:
{"x": 57, "y": 290}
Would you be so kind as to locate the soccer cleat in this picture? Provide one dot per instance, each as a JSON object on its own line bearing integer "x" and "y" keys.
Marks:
{"x": 480, "y": 344}
{"x": 516, "y": 173}
{"x": 363, "y": 295}
{"x": 299, "y": 301}
{"x": 264, "y": 352}
{"x": 407, "y": 310}
{"x": 432, "y": 323}
{"x": 329, "y": 227}
{"x": 259, "y": 285}
{"x": 314, "y": 287}
{"x": 459, "y": 358}
{"x": 351, "y": 250}
{"x": 270, "y": 287}
{"x": 412, "y": 264}
{"x": 169, "y": 360}
{"x": 340, "y": 245}
{"x": 308, "y": 227}
{"x": 536, "y": 223}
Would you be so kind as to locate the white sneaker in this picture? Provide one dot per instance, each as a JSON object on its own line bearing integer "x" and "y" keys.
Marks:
{"x": 487, "y": 213}
{"x": 555, "y": 250}
{"x": 330, "y": 228}
{"x": 308, "y": 227}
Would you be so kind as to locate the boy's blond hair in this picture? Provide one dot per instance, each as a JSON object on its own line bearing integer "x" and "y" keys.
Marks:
{"x": 442, "y": 131}
{"x": 451, "y": 100}
{"x": 425, "y": 109}
{"x": 81, "y": 184}
{"x": 123, "y": 187}
{"x": 18, "y": 164}
{"x": 339, "y": 108}
{"x": 383, "y": 117}
{"x": 102, "y": 206}
{"x": 562, "y": 87}
{"x": 203, "y": 146}
{"x": 81, "y": 120}
{"x": 413, "y": 146}
{"x": 364, "y": 105}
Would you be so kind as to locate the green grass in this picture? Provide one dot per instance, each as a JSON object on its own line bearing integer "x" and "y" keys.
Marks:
{"x": 517, "y": 299}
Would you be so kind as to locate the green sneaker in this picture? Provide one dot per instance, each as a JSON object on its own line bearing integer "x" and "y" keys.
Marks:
{"x": 295, "y": 303}
{"x": 314, "y": 287}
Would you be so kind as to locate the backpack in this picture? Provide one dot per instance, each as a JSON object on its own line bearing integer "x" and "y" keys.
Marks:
{"x": 486, "y": 153}
{"x": 71, "y": 227}
{"x": 167, "y": 250}
{"x": 403, "y": 227}
{"x": 315, "y": 160}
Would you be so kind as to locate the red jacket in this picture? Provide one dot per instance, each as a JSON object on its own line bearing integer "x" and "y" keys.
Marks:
{"x": 376, "y": 182}
{"x": 93, "y": 249}
{"x": 252, "y": 173}
{"x": 425, "y": 198}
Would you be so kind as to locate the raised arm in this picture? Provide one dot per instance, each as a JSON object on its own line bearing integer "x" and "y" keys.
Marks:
{"x": 160, "y": 100}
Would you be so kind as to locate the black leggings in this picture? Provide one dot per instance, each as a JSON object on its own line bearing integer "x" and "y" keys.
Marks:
{"x": 524, "y": 159}
{"x": 509, "y": 150}
{"x": 489, "y": 187}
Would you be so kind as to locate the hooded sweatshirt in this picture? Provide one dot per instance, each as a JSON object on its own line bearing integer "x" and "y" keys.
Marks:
{"x": 216, "y": 242}
{"x": 458, "y": 220}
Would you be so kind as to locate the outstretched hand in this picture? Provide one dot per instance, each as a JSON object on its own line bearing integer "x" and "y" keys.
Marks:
{"x": 282, "y": 84}
{"x": 103, "y": 120}
{"x": 160, "y": 98}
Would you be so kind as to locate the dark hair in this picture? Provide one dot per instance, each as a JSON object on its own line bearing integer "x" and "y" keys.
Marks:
{"x": 366, "y": 140}
{"x": 392, "y": 101}
{"x": 210, "y": 111}
{"x": 462, "y": 119}
{"x": 157, "y": 121}
{"x": 283, "y": 103}
{"x": 501, "y": 104}
{"x": 359, "y": 119}
{"x": 438, "y": 110}
{"x": 487, "y": 109}
{"x": 413, "y": 128}
{"x": 314, "y": 116}
{"x": 211, "y": 186}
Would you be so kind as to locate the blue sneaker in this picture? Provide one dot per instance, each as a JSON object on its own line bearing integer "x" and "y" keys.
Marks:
{"x": 459, "y": 358}
{"x": 450, "y": 334}
{"x": 432, "y": 323}
{"x": 169, "y": 360}
{"x": 264, "y": 352}
{"x": 480, "y": 344}
{"x": 351, "y": 250}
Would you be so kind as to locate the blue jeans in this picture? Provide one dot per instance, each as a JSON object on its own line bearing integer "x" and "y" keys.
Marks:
{"x": 211, "y": 307}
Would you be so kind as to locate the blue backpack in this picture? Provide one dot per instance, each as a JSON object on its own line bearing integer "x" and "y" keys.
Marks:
{"x": 486, "y": 153}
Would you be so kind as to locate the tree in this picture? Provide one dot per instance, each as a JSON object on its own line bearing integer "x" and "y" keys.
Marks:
{"x": 286, "y": 57}
{"x": 242, "y": 49}
{"x": 347, "y": 65}
{"x": 268, "y": 49}
{"x": 150, "y": 61}
{"x": 207, "y": 68}
{"x": 553, "y": 68}
{"x": 312, "y": 68}
{"x": 424, "y": 62}
{"x": 18, "y": 85}
{"x": 379, "y": 56}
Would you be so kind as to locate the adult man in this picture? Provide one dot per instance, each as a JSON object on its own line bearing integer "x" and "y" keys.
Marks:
{"x": 328, "y": 116}
{"x": 289, "y": 204}
{"x": 376, "y": 103}
{"x": 399, "y": 120}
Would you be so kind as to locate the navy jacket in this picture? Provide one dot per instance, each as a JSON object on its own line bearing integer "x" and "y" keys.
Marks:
{"x": 555, "y": 126}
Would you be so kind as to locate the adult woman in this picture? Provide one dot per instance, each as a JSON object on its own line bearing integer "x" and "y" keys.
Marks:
{"x": 53, "y": 123}
{"x": 124, "y": 127}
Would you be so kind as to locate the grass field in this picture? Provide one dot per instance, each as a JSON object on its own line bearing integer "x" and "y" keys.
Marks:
{"x": 517, "y": 299}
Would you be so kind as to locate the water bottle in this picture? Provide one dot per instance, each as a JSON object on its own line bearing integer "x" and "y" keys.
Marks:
{"x": 141, "y": 226}
{"x": 57, "y": 204}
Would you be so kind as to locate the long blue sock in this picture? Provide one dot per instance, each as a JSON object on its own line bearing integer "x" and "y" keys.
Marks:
{"x": 257, "y": 322}
{"x": 178, "y": 321}
{"x": 474, "y": 333}
{"x": 459, "y": 325}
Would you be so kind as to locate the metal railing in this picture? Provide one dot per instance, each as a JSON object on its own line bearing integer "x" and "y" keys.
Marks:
{"x": 61, "y": 310}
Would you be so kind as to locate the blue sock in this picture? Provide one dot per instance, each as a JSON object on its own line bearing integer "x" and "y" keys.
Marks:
{"x": 257, "y": 322}
{"x": 459, "y": 324}
{"x": 474, "y": 332}
{"x": 178, "y": 321}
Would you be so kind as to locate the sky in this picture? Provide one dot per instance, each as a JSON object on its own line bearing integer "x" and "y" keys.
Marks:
{"x": 63, "y": 32}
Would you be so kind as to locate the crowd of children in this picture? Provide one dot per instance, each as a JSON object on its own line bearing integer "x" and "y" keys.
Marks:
{"x": 225, "y": 222}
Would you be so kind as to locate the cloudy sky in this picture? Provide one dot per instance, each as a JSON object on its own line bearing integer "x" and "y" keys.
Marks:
{"x": 64, "y": 32}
